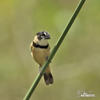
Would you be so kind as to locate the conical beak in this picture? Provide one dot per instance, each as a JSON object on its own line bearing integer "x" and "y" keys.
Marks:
{"x": 47, "y": 36}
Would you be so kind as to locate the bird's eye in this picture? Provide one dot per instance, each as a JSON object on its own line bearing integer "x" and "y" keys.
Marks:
{"x": 43, "y": 34}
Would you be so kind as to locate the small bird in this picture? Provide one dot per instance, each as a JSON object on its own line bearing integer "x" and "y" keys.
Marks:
{"x": 40, "y": 50}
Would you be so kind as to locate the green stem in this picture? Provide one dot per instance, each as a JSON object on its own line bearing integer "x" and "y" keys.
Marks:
{"x": 53, "y": 52}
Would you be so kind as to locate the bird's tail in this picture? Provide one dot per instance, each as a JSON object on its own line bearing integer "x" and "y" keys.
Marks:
{"x": 48, "y": 78}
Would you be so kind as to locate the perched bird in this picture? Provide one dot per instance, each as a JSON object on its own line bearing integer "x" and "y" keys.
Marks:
{"x": 40, "y": 50}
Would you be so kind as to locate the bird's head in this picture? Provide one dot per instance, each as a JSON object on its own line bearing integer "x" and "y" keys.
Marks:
{"x": 42, "y": 37}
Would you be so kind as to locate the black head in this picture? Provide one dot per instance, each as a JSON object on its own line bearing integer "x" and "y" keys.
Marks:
{"x": 43, "y": 35}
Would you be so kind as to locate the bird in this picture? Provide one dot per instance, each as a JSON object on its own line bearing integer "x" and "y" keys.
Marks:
{"x": 40, "y": 51}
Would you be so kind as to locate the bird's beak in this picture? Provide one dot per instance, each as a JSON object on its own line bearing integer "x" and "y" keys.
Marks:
{"x": 47, "y": 36}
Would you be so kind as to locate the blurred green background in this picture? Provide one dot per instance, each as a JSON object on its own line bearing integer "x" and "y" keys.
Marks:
{"x": 76, "y": 66}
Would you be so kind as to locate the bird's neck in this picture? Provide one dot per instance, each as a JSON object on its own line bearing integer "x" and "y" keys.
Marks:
{"x": 40, "y": 42}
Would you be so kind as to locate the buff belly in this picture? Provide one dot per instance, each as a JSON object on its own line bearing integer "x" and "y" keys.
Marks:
{"x": 40, "y": 55}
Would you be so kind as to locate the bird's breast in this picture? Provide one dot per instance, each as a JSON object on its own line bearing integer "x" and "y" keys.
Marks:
{"x": 40, "y": 55}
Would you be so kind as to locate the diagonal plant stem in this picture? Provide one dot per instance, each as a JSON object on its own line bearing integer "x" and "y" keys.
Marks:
{"x": 53, "y": 52}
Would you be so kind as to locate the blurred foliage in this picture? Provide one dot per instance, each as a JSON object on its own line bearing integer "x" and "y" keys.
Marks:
{"x": 76, "y": 65}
